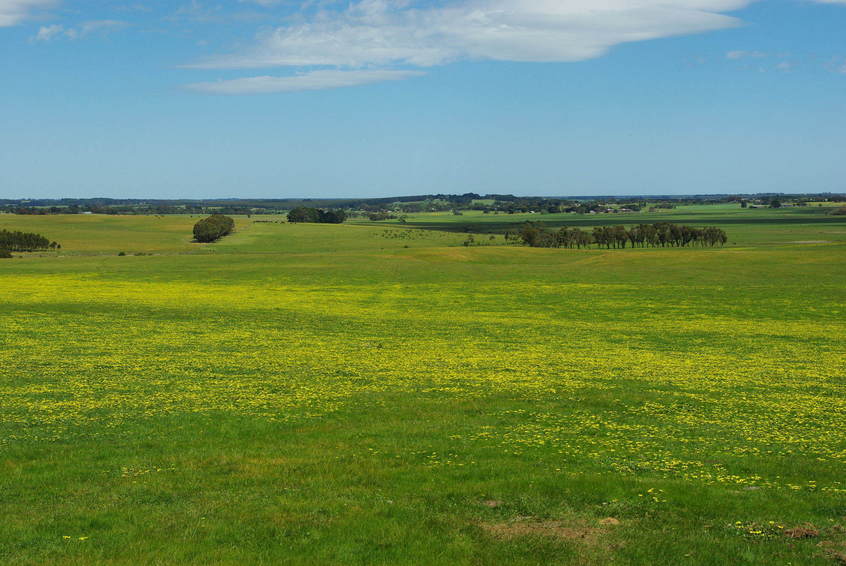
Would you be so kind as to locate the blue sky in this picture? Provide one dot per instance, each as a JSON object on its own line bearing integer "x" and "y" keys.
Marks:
{"x": 283, "y": 98}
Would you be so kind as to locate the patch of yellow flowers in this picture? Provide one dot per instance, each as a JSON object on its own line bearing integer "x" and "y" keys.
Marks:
{"x": 675, "y": 396}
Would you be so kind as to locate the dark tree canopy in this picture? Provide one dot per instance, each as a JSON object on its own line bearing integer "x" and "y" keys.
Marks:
{"x": 25, "y": 242}
{"x": 316, "y": 215}
{"x": 213, "y": 228}
{"x": 662, "y": 234}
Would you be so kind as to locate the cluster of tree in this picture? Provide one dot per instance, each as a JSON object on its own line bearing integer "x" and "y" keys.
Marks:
{"x": 661, "y": 234}
{"x": 25, "y": 242}
{"x": 536, "y": 236}
{"x": 556, "y": 205}
{"x": 379, "y": 216}
{"x": 316, "y": 215}
{"x": 46, "y": 210}
{"x": 213, "y": 228}
{"x": 840, "y": 211}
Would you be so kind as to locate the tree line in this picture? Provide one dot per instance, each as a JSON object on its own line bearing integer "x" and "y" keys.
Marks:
{"x": 661, "y": 234}
{"x": 213, "y": 228}
{"x": 25, "y": 242}
{"x": 316, "y": 215}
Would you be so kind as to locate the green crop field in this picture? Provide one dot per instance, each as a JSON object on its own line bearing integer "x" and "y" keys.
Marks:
{"x": 380, "y": 393}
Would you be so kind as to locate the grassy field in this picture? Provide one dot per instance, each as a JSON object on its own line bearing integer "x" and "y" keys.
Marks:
{"x": 375, "y": 393}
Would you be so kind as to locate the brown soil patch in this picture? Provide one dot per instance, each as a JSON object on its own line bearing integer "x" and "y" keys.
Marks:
{"x": 492, "y": 503}
{"x": 833, "y": 550}
{"x": 609, "y": 522}
{"x": 553, "y": 529}
{"x": 805, "y": 531}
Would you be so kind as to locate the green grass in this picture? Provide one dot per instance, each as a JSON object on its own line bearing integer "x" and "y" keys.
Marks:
{"x": 368, "y": 394}
{"x": 745, "y": 226}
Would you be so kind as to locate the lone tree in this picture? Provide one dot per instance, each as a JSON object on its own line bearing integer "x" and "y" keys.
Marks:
{"x": 213, "y": 228}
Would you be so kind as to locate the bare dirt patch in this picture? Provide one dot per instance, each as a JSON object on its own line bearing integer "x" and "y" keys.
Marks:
{"x": 804, "y": 531}
{"x": 577, "y": 531}
{"x": 835, "y": 551}
{"x": 553, "y": 529}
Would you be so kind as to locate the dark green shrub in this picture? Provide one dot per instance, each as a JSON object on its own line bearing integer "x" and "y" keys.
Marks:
{"x": 5, "y": 254}
{"x": 213, "y": 228}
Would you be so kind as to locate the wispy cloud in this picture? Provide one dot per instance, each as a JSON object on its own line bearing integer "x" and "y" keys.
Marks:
{"x": 47, "y": 33}
{"x": 314, "y": 80}
{"x": 264, "y": 3}
{"x": 13, "y": 12}
{"x": 736, "y": 55}
{"x": 383, "y": 32}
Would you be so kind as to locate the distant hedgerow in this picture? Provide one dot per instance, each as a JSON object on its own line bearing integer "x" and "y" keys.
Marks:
{"x": 316, "y": 215}
{"x": 661, "y": 234}
{"x": 213, "y": 228}
{"x": 25, "y": 242}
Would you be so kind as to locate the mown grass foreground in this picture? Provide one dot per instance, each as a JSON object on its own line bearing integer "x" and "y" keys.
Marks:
{"x": 322, "y": 394}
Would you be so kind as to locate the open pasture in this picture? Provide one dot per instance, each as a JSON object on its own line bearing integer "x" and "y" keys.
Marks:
{"x": 321, "y": 394}
{"x": 745, "y": 226}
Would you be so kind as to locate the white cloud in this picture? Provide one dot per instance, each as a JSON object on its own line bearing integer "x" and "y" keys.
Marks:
{"x": 735, "y": 55}
{"x": 47, "y": 33}
{"x": 13, "y": 12}
{"x": 265, "y": 3}
{"x": 384, "y": 32}
{"x": 314, "y": 80}
{"x": 95, "y": 26}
